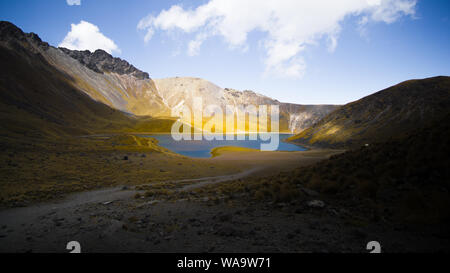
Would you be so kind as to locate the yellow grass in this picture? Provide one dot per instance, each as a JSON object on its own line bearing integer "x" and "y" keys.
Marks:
{"x": 230, "y": 149}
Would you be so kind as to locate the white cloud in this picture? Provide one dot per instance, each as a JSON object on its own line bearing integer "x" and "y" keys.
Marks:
{"x": 194, "y": 45}
{"x": 86, "y": 36}
{"x": 290, "y": 25}
{"x": 73, "y": 2}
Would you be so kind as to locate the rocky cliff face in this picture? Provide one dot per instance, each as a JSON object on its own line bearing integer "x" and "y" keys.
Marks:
{"x": 14, "y": 38}
{"x": 100, "y": 61}
{"x": 294, "y": 117}
{"x": 122, "y": 86}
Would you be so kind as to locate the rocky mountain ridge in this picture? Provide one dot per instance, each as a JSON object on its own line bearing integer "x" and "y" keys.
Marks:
{"x": 100, "y": 61}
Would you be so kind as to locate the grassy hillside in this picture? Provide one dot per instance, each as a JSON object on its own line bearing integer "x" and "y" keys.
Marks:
{"x": 393, "y": 112}
{"x": 404, "y": 180}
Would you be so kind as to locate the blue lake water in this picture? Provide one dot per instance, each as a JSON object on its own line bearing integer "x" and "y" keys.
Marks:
{"x": 202, "y": 148}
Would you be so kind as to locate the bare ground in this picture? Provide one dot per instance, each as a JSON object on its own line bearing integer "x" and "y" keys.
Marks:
{"x": 118, "y": 220}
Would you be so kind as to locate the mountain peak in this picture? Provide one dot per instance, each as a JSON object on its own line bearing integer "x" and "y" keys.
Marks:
{"x": 9, "y": 30}
{"x": 11, "y": 34}
{"x": 101, "y": 61}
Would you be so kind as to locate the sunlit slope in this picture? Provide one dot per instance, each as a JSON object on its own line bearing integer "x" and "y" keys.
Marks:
{"x": 392, "y": 112}
{"x": 180, "y": 91}
{"x": 104, "y": 78}
{"x": 37, "y": 100}
{"x": 122, "y": 91}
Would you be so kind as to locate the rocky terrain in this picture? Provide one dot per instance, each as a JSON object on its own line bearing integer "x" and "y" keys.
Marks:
{"x": 120, "y": 220}
{"x": 100, "y": 61}
{"x": 393, "y": 112}
{"x": 179, "y": 91}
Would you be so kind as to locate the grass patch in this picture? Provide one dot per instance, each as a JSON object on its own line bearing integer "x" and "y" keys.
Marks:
{"x": 218, "y": 151}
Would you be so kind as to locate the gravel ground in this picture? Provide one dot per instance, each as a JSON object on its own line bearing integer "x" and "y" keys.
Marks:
{"x": 113, "y": 220}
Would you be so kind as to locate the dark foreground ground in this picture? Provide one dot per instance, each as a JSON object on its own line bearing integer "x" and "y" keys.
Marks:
{"x": 120, "y": 220}
{"x": 390, "y": 193}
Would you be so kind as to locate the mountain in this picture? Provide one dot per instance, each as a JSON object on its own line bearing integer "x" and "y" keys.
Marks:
{"x": 109, "y": 80}
{"x": 179, "y": 91}
{"x": 392, "y": 112}
{"x": 120, "y": 85}
{"x": 39, "y": 100}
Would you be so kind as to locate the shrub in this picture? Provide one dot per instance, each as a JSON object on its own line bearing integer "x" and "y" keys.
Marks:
{"x": 367, "y": 188}
{"x": 285, "y": 193}
{"x": 260, "y": 195}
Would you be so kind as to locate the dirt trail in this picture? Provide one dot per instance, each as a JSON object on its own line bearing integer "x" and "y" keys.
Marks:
{"x": 111, "y": 220}
{"x": 14, "y": 218}
{"x": 220, "y": 179}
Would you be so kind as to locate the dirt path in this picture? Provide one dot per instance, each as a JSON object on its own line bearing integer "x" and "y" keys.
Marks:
{"x": 14, "y": 218}
{"x": 113, "y": 220}
{"x": 81, "y": 213}
{"x": 134, "y": 225}
{"x": 219, "y": 179}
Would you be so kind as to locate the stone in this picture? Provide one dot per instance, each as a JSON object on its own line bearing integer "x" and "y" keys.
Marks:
{"x": 358, "y": 233}
{"x": 309, "y": 192}
{"x": 225, "y": 218}
{"x": 316, "y": 204}
{"x": 227, "y": 231}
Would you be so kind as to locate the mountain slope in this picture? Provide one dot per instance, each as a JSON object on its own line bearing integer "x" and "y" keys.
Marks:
{"x": 180, "y": 91}
{"x": 404, "y": 179}
{"x": 37, "y": 100}
{"x": 120, "y": 85}
{"x": 389, "y": 113}
{"x": 109, "y": 80}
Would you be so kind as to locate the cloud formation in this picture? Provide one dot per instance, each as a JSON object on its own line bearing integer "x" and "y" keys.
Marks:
{"x": 86, "y": 36}
{"x": 73, "y": 2}
{"x": 290, "y": 25}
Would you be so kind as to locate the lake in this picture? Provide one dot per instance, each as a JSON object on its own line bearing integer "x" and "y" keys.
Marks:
{"x": 202, "y": 148}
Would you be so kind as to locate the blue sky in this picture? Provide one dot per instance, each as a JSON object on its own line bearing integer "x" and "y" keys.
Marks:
{"x": 375, "y": 45}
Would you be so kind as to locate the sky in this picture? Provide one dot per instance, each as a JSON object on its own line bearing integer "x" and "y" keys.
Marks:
{"x": 298, "y": 51}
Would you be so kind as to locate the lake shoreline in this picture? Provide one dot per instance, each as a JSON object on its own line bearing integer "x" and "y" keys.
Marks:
{"x": 206, "y": 148}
